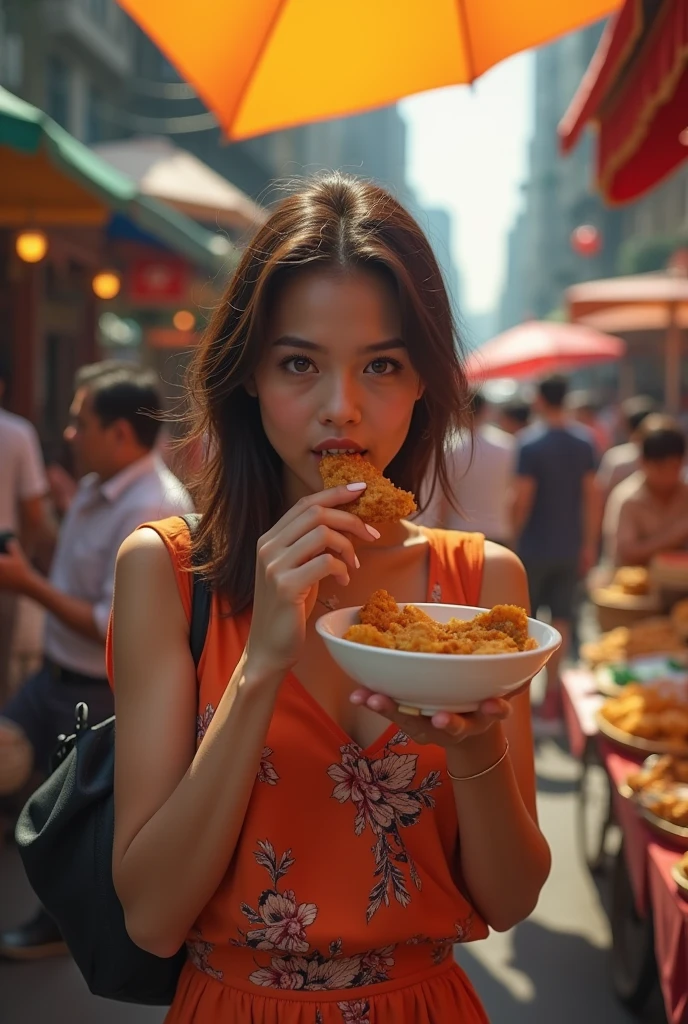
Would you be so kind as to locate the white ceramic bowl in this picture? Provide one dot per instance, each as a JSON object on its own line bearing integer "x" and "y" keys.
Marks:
{"x": 435, "y": 682}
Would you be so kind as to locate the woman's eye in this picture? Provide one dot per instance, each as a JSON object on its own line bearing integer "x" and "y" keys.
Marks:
{"x": 383, "y": 367}
{"x": 298, "y": 364}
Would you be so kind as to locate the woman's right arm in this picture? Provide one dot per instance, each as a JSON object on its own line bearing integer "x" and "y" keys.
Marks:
{"x": 178, "y": 812}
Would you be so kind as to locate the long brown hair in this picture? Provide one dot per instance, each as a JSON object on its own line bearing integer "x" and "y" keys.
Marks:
{"x": 334, "y": 220}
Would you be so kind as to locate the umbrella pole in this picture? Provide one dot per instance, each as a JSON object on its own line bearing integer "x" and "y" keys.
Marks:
{"x": 672, "y": 363}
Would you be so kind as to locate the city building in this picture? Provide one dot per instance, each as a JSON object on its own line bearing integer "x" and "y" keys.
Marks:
{"x": 557, "y": 197}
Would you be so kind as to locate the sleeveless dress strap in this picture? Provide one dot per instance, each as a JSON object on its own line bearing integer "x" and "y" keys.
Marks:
{"x": 460, "y": 559}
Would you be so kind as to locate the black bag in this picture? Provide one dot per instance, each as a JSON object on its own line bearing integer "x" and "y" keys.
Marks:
{"x": 65, "y": 835}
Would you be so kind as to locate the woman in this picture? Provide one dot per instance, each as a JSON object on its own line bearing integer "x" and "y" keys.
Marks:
{"x": 305, "y": 838}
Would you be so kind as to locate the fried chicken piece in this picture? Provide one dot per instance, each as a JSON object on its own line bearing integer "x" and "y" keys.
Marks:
{"x": 410, "y": 614}
{"x": 504, "y": 645}
{"x": 363, "y": 633}
{"x": 381, "y": 610}
{"x": 674, "y": 722}
{"x": 507, "y": 618}
{"x": 384, "y": 624}
{"x": 381, "y": 502}
{"x": 422, "y": 637}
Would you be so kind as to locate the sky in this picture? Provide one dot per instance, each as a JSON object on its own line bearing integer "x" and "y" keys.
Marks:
{"x": 467, "y": 152}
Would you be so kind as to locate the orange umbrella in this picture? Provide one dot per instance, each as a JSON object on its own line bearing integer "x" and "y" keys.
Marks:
{"x": 262, "y": 65}
{"x": 539, "y": 347}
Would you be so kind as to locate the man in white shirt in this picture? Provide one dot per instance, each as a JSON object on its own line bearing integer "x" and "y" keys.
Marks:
{"x": 481, "y": 471}
{"x": 123, "y": 484}
{"x": 23, "y": 508}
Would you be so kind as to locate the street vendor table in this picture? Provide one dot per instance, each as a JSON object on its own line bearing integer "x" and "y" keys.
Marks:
{"x": 647, "y": 859}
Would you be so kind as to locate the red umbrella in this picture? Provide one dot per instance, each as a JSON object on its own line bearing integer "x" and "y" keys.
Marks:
{"x": 539, "y": 347}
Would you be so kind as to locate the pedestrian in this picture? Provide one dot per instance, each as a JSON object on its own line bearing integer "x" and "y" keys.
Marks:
{"x": 619, "y": 462}
{"x": 513, "y": 416}
{"x": 300, "y": 834}
{"x": 585, "y": 409}
{"x": 115, "y": 420}
{"x": 648, "y": 512}
{"x": 480, "y": 464}
{"x": 556, "y": 521}
{"x": 24, "y": 510}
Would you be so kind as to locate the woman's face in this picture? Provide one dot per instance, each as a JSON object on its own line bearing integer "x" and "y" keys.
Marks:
{"x": 335, "y": 374}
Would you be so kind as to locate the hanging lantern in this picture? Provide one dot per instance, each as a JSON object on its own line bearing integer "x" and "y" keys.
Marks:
{"x": 586, "y": 240}
{"x": 106, "y": 284}
{"x": 31, "y": 246}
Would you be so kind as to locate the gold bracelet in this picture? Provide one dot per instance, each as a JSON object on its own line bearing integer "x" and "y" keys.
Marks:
{"x": 467, "y": 778}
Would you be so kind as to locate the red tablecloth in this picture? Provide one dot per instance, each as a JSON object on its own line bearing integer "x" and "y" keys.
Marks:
{"x": 649, "y": 858}
{"x": 581, "y": 703}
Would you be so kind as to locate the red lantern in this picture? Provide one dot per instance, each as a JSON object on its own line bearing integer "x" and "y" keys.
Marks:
{"x": 586, "y": 240}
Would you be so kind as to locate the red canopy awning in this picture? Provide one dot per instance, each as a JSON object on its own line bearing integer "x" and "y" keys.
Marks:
{"x": 636, "y": 93}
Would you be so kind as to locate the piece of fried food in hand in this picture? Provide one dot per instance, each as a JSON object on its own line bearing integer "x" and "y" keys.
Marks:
{"x": 381, "y": 502}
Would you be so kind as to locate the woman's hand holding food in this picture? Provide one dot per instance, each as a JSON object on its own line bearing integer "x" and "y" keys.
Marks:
{"x": 311, "y": 541}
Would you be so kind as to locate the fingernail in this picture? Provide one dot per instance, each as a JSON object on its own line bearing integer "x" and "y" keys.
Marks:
{"x": 356, "y": 698}
{"x": 356, "y": 562}
{"x": 439, "y": 721}
{"x": 356, "y": 487}
{"x": 372, "y": 531}
{"x": 375, "y": 703}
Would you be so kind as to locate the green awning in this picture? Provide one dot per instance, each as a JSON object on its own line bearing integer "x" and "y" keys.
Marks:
{"x": 27, "y": 129}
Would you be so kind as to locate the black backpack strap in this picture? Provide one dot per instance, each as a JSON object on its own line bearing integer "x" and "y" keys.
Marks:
{"x": 200, "y": 599}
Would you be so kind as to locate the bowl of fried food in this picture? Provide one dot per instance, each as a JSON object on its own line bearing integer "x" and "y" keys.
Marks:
{"x": 437, "y": 657}
{"x": 653, "y": 719}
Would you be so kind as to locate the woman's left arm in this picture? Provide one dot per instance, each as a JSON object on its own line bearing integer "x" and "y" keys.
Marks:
{"x": 504, "y": 858}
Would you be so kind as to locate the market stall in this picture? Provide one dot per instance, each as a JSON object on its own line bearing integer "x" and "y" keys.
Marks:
{"x": 626, "y": 714}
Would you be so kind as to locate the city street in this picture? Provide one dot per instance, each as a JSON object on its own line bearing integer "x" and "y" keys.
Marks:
{"x": 554, "y": 967}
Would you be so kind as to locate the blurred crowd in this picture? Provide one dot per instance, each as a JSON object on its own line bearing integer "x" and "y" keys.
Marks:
{"x": 567, "y": 484}
{"x": 575, "y": 488}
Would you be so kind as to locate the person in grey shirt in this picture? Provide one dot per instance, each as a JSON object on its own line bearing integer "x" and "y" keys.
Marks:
{"x": 114, "y": 429}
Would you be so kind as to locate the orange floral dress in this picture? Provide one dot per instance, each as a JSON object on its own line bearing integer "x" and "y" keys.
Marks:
{"x": 341, "y": 904}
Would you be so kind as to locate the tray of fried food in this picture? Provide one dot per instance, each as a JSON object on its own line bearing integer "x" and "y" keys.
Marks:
{"x": 655, "y": 635}
{"x": 660, "y": 791}
{"x": 658, "y": 773}
{"x": 501, "y": 630}
{"x": 653, "y": 719}
{"x": 381, "y": 502}
{"x": 679, "y": 873}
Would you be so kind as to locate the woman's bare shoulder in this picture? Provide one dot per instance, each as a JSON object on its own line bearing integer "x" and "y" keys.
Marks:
{"x": 504, "y": 578}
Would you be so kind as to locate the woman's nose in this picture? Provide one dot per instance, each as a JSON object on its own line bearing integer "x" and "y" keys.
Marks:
{"x": 341, "y": 403}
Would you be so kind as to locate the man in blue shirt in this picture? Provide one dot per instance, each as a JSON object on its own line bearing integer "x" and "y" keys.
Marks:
{"x": 555, "y": 518}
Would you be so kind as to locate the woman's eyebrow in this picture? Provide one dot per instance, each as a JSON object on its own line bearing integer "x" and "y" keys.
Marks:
{"x": 290, "y": 341}
{"x": 384, "y": 346}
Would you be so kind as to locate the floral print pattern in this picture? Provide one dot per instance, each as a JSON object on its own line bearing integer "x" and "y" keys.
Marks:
{"x": 199, "y": 951}
{"x": 355, "y": 1012}
{"x": 266, "y": 772}
{"x": 382, "y": 792}
{"x": 203, "y": 721}
{"x": 279, "y": 924}
{"x": 441, "y": 948}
